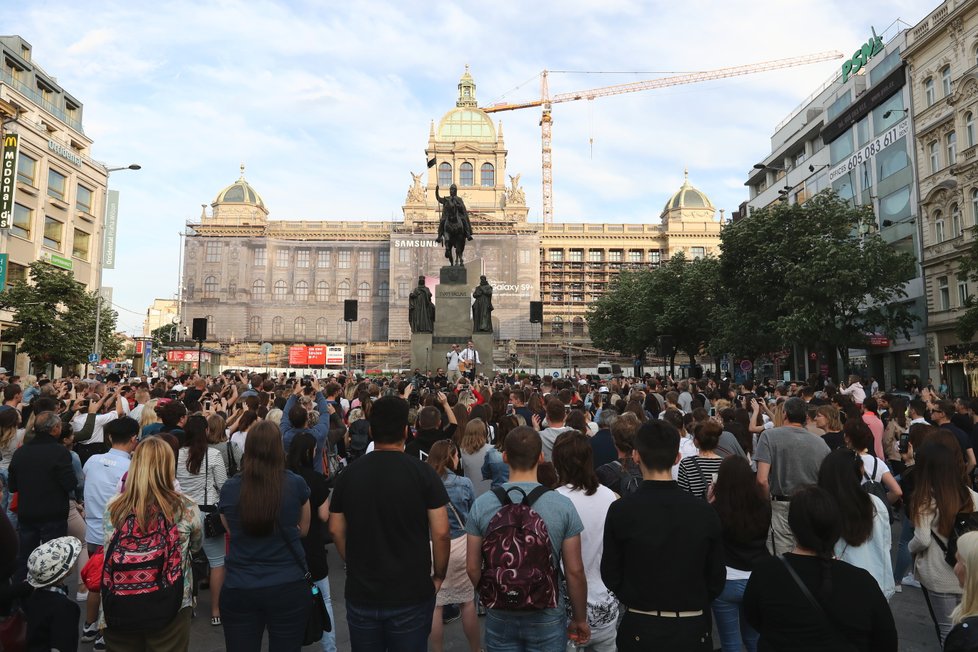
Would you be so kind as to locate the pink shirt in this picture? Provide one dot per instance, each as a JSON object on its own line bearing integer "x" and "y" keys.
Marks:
{"x": 876, "y": 426}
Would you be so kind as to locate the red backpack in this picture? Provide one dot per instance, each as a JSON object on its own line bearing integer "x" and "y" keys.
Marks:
{"x": 142, "y": 579}
{"x": 518, "y": 569}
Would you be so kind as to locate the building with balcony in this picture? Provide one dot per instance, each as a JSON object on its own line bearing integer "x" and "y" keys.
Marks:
{"x": 59, "y": 201}
{"x": 853, "y": 135}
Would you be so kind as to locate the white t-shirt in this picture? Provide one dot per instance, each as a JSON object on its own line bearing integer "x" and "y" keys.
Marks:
{"x": 881, "y": 468}
{"x": 137, "y": 412}
{"x": 238, "y": 438}
{"x": 8, "y": 451}
{"x": 98, "y": 432}
{"x": 452, "y": 357}
{"x": 686, "y": 449}
{"x": 602, "y": 607}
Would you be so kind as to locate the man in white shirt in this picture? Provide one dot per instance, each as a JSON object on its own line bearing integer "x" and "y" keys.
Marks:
{"x": 556, "y": 413}
{"x": 471, "y": 358}
{"x": 96, "y": 443}
{"x": 452, "y": 358}
{"x": 142, "y": 398}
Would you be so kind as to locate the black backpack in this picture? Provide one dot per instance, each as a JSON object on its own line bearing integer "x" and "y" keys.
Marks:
{"x": 877, "y": 489}
{"x": 627, "y": 482}
{"x": 965, "y": 522}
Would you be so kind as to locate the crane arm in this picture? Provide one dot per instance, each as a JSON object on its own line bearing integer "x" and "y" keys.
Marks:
{"x": 503, "y": 106}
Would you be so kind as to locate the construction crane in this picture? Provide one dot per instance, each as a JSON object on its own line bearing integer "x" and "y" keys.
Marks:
{"x": 546, "y": 101}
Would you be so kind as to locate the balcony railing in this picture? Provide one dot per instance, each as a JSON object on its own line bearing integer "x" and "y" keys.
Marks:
{"x": 34, "y": 96}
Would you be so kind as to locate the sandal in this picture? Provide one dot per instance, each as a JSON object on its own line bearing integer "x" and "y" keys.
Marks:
{"x": 216, "y": 621}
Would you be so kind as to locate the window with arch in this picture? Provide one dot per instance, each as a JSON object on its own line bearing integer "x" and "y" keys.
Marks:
{"x": 975, "y": 57}
{"x": 211, "y": 326}
{"x": 577, "y": 327}
{"x": 938, "y": 227}
{"x": 974, "y": 206}
{"x": 488, "y": 175}
{"x": 929, "y": 95}
{"x": 301, "y": 291}
{"x": 363, "y": 292}
{"x": 363, "y": 331}
{"x": 254, "y": 326}
{"x": 445, "y": 174}
{"x": 935, "y": 157}
{"x": 258, "y": 290}
{"x": 969, "y": 128}
{"x": 951, "y": 141}
{"x": 955, "y": 221}
{"x": 279, "y": 291}
{"x": 299, "y": 327}
{"x": 321, "y": 328}
{"x": 322, "y": 291}
{"x": 557, "y": 326}
{"x": 210, "y": 287}
{"x": 383, "y": 290}
{"x": 465, "y": 174}
{"x": 946, "y": 80}
{"x": 343, "y": 290}
{"x": 277, "y": 327}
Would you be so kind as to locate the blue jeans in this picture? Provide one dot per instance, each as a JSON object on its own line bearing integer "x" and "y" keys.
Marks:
{"x": 390, "y": 629}
{"x": 731, "y": 626}
{"x": 512, "y": 631}
{"x": 901, "y": 566}
{"x": 283, "y": 609}
{"x": 329, "y": 638}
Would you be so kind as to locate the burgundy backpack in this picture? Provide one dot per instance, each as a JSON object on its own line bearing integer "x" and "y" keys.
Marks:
{"x": 518, "y": 569}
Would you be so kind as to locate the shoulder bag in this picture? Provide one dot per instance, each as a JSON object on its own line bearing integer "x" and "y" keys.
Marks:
{"x": 846, "y": 645}
{"x": 213, "y": 527}
{"x": 318, "y": 620}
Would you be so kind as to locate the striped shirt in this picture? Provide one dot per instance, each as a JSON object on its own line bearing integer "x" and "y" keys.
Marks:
{"x": 696, "y": 473}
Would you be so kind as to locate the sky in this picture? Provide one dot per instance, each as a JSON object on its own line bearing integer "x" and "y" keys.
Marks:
{"x": 328, "y": 104}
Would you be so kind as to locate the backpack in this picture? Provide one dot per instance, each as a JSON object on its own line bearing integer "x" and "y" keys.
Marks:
{"x": 877, "y": 489}
{"x": 627, "y": 482}
{"x": 965, "y": 522}
{"x": 359, "y": 438}
{"x": 232, "y": 462}
{"x": 518, "y": 569}
{"x": 142, "y": 578}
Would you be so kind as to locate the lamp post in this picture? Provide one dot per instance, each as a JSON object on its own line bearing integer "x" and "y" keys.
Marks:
{"x": 101, "y": 252}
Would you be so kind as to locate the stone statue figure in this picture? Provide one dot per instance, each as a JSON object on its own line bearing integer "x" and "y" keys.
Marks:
{"x": 421, "y": 310}
{"x": 515, "y": 194}
{"x": 482, "y": 308}
{"x": 416, "y": 193}
{"x": 454, "y": 228}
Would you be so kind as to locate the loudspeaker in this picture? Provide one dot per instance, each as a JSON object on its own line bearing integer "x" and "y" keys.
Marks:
{"x": 666, "y": 345}
{"x": 536, "y": 312}
{"x": 349, "y": 310}
{"x": 200, "y": 329}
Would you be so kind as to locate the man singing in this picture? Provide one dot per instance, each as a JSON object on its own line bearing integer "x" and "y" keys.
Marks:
{"x": 471, "y": 358}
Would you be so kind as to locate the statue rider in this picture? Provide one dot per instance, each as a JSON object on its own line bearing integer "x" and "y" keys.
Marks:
{"x": 452, "y": 206}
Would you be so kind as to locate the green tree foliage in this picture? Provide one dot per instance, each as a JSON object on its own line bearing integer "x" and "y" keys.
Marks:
{"x": 55, "y": 318}
{"x": 163, "y": 336}
{"x": 810, "y": 274}
{"x": 967, "y": 323}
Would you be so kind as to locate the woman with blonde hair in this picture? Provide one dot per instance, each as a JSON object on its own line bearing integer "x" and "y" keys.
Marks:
{"x": 457, "y": 587}
{"x": 149, "y": 503}
{"x": 964, "y": 635}
{"x": 217, "y": 438}
{"x": 148, "y": 416}
{"x": 474, "y": 445}
{"x": 827, "y": 419}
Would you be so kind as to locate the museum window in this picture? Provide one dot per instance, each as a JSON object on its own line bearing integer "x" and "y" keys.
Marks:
{"x": 938, "y": 227}
{"x": 23, "y": 221}
{"x": 614, "y": 255}
{"x": 557, "y": 255}
{"x": 445, "y": 175}
{"x": 53, "y": 233}
{"x": 212, "y": 252}
{"x": 299, "y": 327}
{"x": 302, "y": 258}
{"x": 282, "y": 258}
{"x": 935, "y": 157}
{"x": 56, "y": 184}
{"x": 969, "y": 128}
{"x": 955, "y": 221}
{"x": 697, "y": 252}
{"x": 929, "y": 96}
{"x": 575, "y": 255}
{"x": 404, "y": 255}
{"x": 946, "y": 80}
{"x": 595, "y": 255}
{"x": 277, "y": 327}
{"x": 322, "y": 259}
{"x": 81, "y": 243}
{"x": 962, "y": 290}
{"x": 384, "y": 259}
{"x": 83, "y": 200}
{"x": 259, "y": 256}
{"x": 211, "y": 325}
{"x": 343, "y": 290}
{"x": 363, "y": 330}
{"x": 943, "y": 294}
{"x": 254, "y": 326}
{"x": 383, "y": 290}
{"x": 655, "y": 256}
{"x": 322, "y": 291}
{"x": 402, "y": 289}
{"x": 365, "y": 260}
{"x": 321, "y": 328}
{"x": 258, "y": 290}
{"x": 557, "y": 326}
{"x": 27, "y": 170}
{"x": 488, "y": 175}
{"x": 466, "y": 175}
{"x": 343, "y": 259}
{"x": 363, "y": 292}
{"x": 951, "y": 141}
{"x": 577, "y": 327}
{"x": 635, "y": 255}
{"x": 210, "y": 287}
{"x": 301, "y": 291}
{"x": 279, "y": 290}
{"x": 525, "y": 256}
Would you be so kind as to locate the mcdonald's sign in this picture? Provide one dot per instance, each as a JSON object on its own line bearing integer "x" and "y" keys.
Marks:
{"x": 8, "y": 180}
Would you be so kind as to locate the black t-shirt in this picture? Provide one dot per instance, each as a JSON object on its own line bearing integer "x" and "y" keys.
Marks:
{"x": 52, "y": 621}
{"x": 314, "y": 542}
{"x": 385, "y": 497}
{"x": 834, "y": 440}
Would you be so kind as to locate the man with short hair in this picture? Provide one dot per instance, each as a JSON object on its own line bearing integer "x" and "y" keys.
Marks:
{"x": 295, "y": 418}
{"x": 389, "y": 523}
{"x": 532, "y": 629}
{"x": 430, "y": 430}
{"x": 663, "y": 554}
{"x": 12, "y": 396}
{"x": 452, "y": 359}
{"x": 470, "y": 356}
{"x": 518, "y": 398}
{"x": 941, "y": 415}
{"x": 603, "y": 443}
{"x": 788, "y": 457}
{"x": 556, "y": 413}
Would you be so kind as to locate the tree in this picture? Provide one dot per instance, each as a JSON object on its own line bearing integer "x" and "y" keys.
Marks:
{"x": 619, "y": 320}
{"x": 811, "y": 274}
{"x": 164, "y": 335}
{"x": 55, "y": 317}
{"x": 967, "y": 323}
{"x": 689, "y": 291}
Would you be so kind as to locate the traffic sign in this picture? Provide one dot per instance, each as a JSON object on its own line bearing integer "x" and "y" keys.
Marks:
{"x": 92, "y": 358}
{"x": 556, "y": 374}
{"x": 746, "y": 365}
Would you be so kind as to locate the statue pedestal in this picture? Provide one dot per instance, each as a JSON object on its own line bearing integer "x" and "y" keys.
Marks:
{"x": 422, "y": 357}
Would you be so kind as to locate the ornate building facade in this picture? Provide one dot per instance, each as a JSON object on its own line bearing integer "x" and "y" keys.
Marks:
{"x": 283, "y": 282}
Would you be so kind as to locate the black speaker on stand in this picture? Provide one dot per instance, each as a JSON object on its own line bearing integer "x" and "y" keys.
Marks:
{"x": 350, "y": 310}
{"x": 536, "y": 312}
{"x": 200, "y": 329}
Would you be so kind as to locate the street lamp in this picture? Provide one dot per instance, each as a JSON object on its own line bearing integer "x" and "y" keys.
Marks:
{"x": 892, "y": 111}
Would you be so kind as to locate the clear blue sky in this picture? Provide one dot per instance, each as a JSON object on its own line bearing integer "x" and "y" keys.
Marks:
{"x": 328, "y": 104}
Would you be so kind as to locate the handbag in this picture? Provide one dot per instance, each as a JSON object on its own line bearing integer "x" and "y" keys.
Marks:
{"x": 846, "y": 644}
{"x": 318, "y": 620}
{"x": 91, "y": 574}
{"x": 213, "y": 526}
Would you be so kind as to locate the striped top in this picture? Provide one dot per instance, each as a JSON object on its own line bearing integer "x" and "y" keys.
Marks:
{"x": 696, "y": 473}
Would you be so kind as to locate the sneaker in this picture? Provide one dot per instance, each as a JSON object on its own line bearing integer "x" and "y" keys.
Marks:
{"x": 81, "y": 596}
{"x": 898, "y": 588}
{"x": 99, "y": 643}
{"x": 89, "y": 632}
{"x": 910, "y": 581}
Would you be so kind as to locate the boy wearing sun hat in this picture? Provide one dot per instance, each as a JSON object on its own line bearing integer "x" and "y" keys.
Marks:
{"x": 52, "y": 617}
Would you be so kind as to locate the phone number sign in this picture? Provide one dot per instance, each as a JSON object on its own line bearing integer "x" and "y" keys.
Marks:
{"x": 867, "y": 153}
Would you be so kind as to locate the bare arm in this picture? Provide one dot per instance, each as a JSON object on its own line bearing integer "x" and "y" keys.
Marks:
{"x": 473, "y": 558}
{"x": 893, "y": 490}
{"x": 570, "y": 551}
{"x": 970, "y": 464}
{"x": 763, "y": 472}
{"x": 441, "y": 544}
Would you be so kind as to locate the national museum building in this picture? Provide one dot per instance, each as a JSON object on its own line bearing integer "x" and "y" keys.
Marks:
{"x": 284, "y": 282}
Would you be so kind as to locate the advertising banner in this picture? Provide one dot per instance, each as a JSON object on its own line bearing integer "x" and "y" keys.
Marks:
{"x": 8, "y": 180}
{"x": 111, "y": 225}
{"x": 298, "y": 355}
{"x": 335, "y": 356}
{"x": 317, "y": 355}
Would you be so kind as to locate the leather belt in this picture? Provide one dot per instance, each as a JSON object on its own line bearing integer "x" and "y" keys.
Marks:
{"x": 780, "y": 499}
{"x": 668, "y": 614}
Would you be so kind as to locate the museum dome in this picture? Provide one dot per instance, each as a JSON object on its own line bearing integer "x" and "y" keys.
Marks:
{"x": 240, "y": 192}
{"x": 466, "y": 121}
{"x": 688, "y": 197}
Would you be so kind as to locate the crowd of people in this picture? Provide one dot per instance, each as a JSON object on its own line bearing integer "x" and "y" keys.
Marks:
{"x": 629, "y": 514}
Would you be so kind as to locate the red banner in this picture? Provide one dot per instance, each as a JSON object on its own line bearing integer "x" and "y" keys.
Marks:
{"x": 879, "y": 340}
{"x": 317, "y": 355}
{"x": 298, "y": 355}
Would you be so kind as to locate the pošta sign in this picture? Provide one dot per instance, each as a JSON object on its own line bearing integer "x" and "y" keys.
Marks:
{"x": 861, "y": 57}
{"x": 8, "y": 180}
